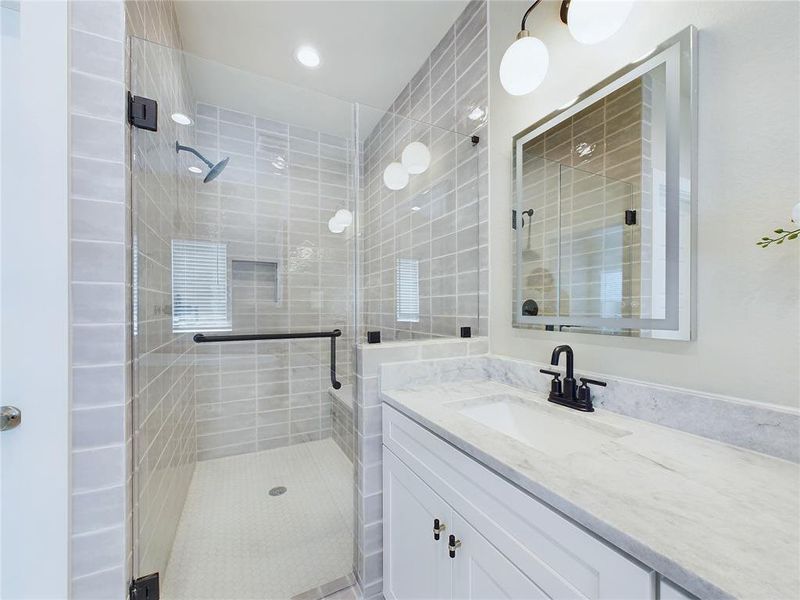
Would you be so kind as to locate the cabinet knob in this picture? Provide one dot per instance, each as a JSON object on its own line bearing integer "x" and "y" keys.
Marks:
{"x": 438, "y": 528}
{"x": 453, "y": 543}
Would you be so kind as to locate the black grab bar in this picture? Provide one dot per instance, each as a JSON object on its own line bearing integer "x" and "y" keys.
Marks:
{"x": 202, "y": 338}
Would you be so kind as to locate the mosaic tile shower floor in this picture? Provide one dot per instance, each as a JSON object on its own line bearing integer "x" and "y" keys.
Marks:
{"x": 237, "y": 542}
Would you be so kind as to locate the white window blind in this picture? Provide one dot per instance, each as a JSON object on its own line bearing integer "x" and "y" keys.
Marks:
{"x": 200, "y": 300}
{"x": 407, "y": 290}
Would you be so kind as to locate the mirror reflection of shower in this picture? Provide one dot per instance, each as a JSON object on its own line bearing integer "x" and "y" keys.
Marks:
{"x": 213, "y": 169}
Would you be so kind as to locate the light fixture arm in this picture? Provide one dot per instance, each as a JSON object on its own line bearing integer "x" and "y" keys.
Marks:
{"x": 528, "y": 12}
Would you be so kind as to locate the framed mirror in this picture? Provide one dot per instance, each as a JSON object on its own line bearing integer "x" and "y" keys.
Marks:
{"x": 604, "y": 204}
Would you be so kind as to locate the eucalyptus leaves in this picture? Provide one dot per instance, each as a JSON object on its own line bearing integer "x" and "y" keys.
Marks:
{"x": 783, "y": 234}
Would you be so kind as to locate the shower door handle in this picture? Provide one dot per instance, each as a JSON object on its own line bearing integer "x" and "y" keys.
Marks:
{"x": 10, "y": 417}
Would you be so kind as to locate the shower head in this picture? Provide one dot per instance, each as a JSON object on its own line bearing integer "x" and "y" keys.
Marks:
{"x": 213, "y": 169}
{"x": 216, "y": 170}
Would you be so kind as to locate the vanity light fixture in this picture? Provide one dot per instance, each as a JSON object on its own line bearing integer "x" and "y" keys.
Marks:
{"x": 307, "y": 56}
{"x": 181, "y": 119}
{"x": 592, "y": 21}
{"x": 525, "y": 62}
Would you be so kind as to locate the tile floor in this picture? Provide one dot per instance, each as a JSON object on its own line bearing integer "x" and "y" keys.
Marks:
{"x": 236, "y": 542}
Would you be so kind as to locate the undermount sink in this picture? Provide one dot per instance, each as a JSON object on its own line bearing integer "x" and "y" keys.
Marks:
{"x": 552, "y": 430}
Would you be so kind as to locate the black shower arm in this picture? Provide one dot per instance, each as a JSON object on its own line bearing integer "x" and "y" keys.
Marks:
{"x": 179, "y": 147}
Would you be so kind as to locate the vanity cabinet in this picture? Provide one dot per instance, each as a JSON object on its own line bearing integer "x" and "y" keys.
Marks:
{"x": 511, "y": 544}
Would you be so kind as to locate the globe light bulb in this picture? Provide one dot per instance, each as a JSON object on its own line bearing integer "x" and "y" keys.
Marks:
{"x": 335, "y": 226}
{"x": 343, "y": 216}
{"x": 416, "y": 158}
{"x": 395, "y": 176}
{"x": 592, "y": 21}
{"x": 524, "y": 65}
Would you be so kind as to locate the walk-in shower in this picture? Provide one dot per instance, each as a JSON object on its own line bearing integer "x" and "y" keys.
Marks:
{"x": 252, "y": 287}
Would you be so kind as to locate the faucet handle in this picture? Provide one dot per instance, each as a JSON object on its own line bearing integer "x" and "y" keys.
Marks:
{"x": 555, "y": 385}
{"x": 586, "y": 381}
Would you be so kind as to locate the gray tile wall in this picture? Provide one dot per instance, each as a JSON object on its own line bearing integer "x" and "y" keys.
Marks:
{"x": 163, "y": 415}
{"x": 582, "y": 175}
{"x": 163, "y": 373}
{"x": 440, "y": 218}
{"x": 343, "y": 425}
{"x": 271, "y": 206}
{"x": 99, "y": 286}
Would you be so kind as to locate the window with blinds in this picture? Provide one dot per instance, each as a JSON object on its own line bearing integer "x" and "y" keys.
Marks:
{"x": 407, "y": 270}
{"x": 200, "y": 299}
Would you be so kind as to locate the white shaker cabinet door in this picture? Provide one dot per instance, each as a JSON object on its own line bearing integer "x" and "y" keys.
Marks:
{"x": 481, "y": 572}
{"x": 415, "y": 565}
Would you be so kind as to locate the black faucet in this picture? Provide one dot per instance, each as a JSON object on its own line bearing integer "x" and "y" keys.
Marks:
{"x": 579, "y": 398}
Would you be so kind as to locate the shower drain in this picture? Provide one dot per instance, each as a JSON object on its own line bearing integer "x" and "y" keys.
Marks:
{"x": 277, "y": 491}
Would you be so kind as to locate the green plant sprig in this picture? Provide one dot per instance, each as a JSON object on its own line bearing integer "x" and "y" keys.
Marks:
{"x": 782, "y": 235}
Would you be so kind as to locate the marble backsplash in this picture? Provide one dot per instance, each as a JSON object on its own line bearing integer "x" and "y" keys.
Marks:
{"x": 763, "y": 428}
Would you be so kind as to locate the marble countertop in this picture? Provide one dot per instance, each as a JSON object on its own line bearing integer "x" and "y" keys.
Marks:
{"x": 718, "y": 520}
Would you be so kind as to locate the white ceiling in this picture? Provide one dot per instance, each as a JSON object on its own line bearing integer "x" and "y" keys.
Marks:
{"x": 369, "y": 50}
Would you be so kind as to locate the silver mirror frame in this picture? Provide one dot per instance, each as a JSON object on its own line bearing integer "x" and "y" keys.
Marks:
{"x": 679, "y": 54}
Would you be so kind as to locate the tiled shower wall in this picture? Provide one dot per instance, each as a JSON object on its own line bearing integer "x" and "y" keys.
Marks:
{"x": 440, "y": 218}
{"x": 99, "y": 287}
{"x": 449, "y": 87}
{"x": 163, "y": 374}
{"x": 163, "y": 404}
{"x": 271, "y": 207}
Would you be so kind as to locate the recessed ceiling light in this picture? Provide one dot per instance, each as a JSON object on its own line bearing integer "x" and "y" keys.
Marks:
{"x": 181, "y": 119}
{"x": 195, "y": 169}
{"x": 307, "y": 56}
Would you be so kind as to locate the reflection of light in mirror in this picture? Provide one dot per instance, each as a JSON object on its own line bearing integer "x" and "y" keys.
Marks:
{"x": 568, "y": 104}
{"x": 476, "y": 114}
{"x": 416, "y": 208}
{"x": 344, "y": 216}
{"x": 195, "y": 169}
{"x": 416, "y": 158}
{"x": 335, "y": 226}
{"x": 643, "y": 56}
{"x": 395, "y": 176}
{"x": 583, "y": 149}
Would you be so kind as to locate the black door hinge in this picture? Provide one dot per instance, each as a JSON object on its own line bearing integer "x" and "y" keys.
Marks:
{"x": 630, "y": 217}
{"x": 142, "y": 112}
{"x": 513, "y": 219}
{"x": 145, "y": 588}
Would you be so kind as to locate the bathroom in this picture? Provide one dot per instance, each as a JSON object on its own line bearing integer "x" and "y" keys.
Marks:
{"x": 400, "y": 299}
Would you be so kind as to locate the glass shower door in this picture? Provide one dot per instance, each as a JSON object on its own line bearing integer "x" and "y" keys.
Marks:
{"x": 243, "y": 473}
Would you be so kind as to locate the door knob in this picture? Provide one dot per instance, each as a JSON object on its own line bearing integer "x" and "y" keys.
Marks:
{"x": 10, "y": 417}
